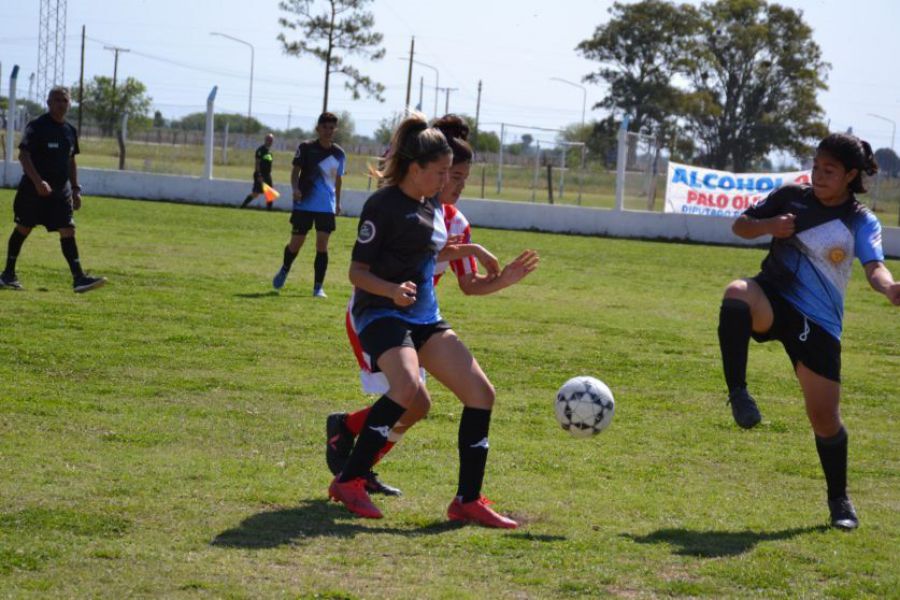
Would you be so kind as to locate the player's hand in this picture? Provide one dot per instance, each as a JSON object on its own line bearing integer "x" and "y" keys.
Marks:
{"x": 782, "y": 226}
{"x": 337, "y": 210}
{"x": 297, "y": 195}
{"x": 893, "y": 294}
{"x": 44, "y": 189}
{"x": 524, "y": 264}
{"x": 404, "y": 294}
{"x": 76, "y": 200}
{"x": 488, "y": 261}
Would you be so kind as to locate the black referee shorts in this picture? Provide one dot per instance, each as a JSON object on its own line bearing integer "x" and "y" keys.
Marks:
{"x": 54, "y": 212}
{"x": 803, "y": 340}
{"x": 257, "y": 185}
{"x": 380, "y": 336}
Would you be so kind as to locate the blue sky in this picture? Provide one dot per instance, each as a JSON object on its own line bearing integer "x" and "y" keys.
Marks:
{"x": 514, "y": 46}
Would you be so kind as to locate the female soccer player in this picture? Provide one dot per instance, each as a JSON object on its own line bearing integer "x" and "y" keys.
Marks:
{"x": 342, "y": 428}
{"x": 401, "y": 236}
{"x": 798, "y": 297}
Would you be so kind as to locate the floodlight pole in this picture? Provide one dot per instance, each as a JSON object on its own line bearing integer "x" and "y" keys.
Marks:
{"x": 583, "y": 92}
{"x": 10, "y": 123}
{"x": 252, "y": 61}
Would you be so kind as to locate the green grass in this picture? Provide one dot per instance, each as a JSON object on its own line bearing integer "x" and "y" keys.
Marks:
{"x": 163, "y": 436}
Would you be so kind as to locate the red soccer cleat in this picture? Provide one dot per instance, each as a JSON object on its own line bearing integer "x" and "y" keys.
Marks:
{"x": 353, "y": 495}
{"x": 478, "y": 511}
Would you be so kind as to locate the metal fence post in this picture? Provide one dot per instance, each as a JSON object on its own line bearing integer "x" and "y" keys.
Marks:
{"x": 208, "y": 137}
{"x": 620, "y": 164}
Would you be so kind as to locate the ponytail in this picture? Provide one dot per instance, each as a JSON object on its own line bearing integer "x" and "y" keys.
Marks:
{"x": 457, "y": 133}
{"x": 413, "y": 142}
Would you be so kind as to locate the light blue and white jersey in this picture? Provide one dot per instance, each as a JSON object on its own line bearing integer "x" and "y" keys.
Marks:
{"x": 811, "y": 269}
{"x": 319, "y": 169}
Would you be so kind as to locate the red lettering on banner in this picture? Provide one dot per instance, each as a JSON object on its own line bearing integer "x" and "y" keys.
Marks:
{"x": 722, "y": 201}
{"x": 691, "y": 197}
{"x": 803, "y": 178}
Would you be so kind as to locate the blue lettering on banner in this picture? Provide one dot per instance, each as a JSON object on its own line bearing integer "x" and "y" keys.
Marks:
{"x": 714, "y": 181}
{"x": 680, "y": 176}
{"x": 726, "y": 183}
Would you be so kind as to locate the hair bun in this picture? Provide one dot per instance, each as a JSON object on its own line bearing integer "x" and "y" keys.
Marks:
{"x": 453, "y": 126}
{"x": 870, "y": 167}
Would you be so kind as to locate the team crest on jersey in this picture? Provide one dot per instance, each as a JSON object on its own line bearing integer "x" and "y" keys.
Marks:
{"x": 366, "y": 232}
{"x": 837, "y": 255}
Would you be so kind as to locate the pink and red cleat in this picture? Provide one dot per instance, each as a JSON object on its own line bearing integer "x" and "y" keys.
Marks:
{"x": 353, "y": 495}
{"x": 478, "y": 511}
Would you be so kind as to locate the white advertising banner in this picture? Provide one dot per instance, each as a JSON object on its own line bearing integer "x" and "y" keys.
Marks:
{"x": 698, "y": 191}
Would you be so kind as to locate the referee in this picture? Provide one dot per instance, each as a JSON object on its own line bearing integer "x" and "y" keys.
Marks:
{"x": 48, "y": 192}
{"x": 262, "y": 173}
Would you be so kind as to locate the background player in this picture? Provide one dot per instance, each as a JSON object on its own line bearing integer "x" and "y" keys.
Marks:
{"x": 798, "y": 297}
{"x": 48, "y": 192}
{"x": 262, "y": 172}
{"x": 316, "y": 181}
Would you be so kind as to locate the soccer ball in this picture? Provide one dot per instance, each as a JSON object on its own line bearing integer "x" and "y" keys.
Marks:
{"x": 584, "y": 406}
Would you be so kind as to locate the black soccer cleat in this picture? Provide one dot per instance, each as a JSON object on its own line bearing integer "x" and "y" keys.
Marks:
{"x": 744, "y": 409}
{"x": 376, "y": 486}
{"x": 85, "y": 283}
{"x": 9, "y": 281}
{"x": 338, "y": 442}
{"x": 843, "y": 515}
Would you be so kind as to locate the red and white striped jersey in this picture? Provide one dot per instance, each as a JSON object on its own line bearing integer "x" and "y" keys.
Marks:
{"x": 457, "y": 225}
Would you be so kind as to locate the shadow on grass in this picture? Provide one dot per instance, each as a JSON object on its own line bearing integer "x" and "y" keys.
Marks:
{"x": 313, "y": 518}
{"x": 714, "y": 544}
{"x": 253, "y": 295}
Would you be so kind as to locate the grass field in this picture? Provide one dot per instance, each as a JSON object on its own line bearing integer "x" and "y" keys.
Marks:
{"x": 163, "y": 436}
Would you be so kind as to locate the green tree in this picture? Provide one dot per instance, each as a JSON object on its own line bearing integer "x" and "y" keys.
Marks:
{"x": 237, "y": 123}
{"x": 106, "y": 106}
{"x": 888, "y": 162}
{"x": 755, "y": 73}
{"x": 640, "y": 49}
{"x": 341, "y": 26}
{"x": 346, "y": 131}
{"x": 158, "y": 119}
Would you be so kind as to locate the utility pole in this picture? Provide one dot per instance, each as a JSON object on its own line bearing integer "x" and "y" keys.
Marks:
{"x": 447, "y": 91}
{"x": 81, "y": 82}
{"x": 421, "y": 89}
{"x": 116, "y": 50}
{"x": 412, "y": 51}
{"x": 477, "y": 114}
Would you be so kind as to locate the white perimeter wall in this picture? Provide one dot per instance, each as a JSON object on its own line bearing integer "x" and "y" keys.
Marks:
{"x": 481, "y": 213}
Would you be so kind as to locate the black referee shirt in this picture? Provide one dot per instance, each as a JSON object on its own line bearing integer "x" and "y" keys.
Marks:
{"x": 51, "y": 146}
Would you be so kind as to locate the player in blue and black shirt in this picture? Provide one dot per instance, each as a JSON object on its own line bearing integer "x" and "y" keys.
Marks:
{"x": 798, "y": 297}
{"x": 316, "y": 182}
{"x": 400, "y": 238}
{"x": 48, "y": 193}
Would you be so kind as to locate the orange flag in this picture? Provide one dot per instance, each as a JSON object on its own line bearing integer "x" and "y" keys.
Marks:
{"x": 270, "y": 193}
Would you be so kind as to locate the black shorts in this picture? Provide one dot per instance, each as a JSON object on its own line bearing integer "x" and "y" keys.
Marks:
{"x": 257, "y": 185}
{"x": 53, "y": 212}
{"x": 382, "y": 335}
{"x": 303, "y": 220}
{"x": 803, "y": 340}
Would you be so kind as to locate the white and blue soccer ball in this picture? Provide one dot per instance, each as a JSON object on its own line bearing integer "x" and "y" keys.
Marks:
{"x": 584, "y": 406}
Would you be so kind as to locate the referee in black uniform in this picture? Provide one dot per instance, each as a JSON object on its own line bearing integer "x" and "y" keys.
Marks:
{"x": 262, "y": 173}
{"x": 48, "y": 192}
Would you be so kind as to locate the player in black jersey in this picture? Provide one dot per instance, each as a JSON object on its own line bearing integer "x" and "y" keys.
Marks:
{"x": 48, "y": 192}
{"x": 401, "y": 236}
{"x": 262, "y": 172}
{"x": 798, "y": 297}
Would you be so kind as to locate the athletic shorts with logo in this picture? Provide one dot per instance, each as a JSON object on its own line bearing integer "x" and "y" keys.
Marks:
{"x": 803, "y": 340}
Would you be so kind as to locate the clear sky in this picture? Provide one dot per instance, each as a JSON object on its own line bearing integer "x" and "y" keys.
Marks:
{"x": 514, "y": 46}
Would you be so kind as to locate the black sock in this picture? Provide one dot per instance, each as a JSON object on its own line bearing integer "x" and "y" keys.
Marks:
{"x": 735, "y": 326}
{"x": 70, "y": 251}
{"x": 288, "y": 258}
{"x": 833, "y": 456}
{"x": 383, "y": 415}
{"x": 320, "y": 265}
{"x": 12, "y": 251}
{"x": 247, "y": 200}
{"x": 473, "y": 451}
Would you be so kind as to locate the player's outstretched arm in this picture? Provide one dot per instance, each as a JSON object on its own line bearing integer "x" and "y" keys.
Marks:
{"x": 458, "y": 251}
{"x": 478, "y": 285}
{"x": 882, "y": 281}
